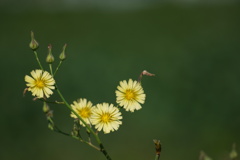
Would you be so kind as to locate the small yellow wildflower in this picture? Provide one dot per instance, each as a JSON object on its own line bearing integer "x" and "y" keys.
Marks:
{"x": 83, "y": 109}
{"x": 106, "y": 117}
{"x": 40, "y": 84}
{"x": 130, "y": 94}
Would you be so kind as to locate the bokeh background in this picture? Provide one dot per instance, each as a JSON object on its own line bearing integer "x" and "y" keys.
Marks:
{"x": 192, "y": 103}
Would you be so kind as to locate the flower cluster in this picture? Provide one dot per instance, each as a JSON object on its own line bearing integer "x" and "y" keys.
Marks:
{"x": 105, "y": 116}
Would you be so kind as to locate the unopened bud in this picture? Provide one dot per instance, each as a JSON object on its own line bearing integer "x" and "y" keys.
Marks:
{"x": 76, "y": 129}
{"x": 51, "y": 126}
{"x": 50, "y": 58}
{"x": 62, "y": 56}
{"x": 46, "y": 108}
{"x": 33, "y": 44}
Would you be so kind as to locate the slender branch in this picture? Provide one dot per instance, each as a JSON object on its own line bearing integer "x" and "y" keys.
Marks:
{"x": 52, "y": 126}
{"x": 54, "y": 102}
{"x": 102, "y": 149}
{"x": 157, "y": 157}
{"x": 56, "y": 129}
{"x": 60, "y": 63}
{"x": 50, "y": 67}
{"x": 39, "y": 63}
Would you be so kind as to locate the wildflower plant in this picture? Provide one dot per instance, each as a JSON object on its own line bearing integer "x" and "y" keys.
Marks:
{"x": 94, "y": 118}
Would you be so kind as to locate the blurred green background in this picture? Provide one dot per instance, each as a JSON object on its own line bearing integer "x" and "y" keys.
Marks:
{"x": 192, "y": 103}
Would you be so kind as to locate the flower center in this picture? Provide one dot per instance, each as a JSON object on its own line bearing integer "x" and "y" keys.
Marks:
{"x": 40, "y": 83}
{"x": 129, "y": 94}
{"x": 106, "y": 117}
{"x": 85, "y": 112}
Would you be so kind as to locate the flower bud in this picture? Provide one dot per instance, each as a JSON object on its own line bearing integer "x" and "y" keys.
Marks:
{"x": 62, "y": 56}
{"x": 46, "y": 108}
{"x": 51, "y": 126}
{"x": 76, "y": 129}
{"x": 50, "y": 58}
{"x": 33, "y": 44}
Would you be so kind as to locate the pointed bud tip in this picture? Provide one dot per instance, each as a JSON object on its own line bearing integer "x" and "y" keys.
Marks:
{"x": 33, "y": 44}
{"x": 50, "y": 57}
{"x": 62, "y": 56}
{"x": 49, "y": 46}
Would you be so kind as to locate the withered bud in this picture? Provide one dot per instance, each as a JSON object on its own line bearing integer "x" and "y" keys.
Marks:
{"x": 158, "y": 146}
{"x": 49, "y": 114}
{"x": 25, "y": 91}
{"x": 145, "y": 73}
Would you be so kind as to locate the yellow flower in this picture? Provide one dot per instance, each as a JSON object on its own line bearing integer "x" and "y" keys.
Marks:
{"x": 40, "y": 84}
{"x": 106, "y": 117}
{"x": 83, "y": 109}
{"x": 130, "y": 95}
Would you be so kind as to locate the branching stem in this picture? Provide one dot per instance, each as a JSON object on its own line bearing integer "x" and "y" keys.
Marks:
{"x": 50, "y": 68}
{"x": 60, "y": 63}
{"x": 102, "y": 149}
{"x": 39, "y": 63}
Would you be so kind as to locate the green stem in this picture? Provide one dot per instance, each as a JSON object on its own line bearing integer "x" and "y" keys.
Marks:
{"x": 60, "y": 63}
{"x": 157, "y": 157}
{"x": 50, "y": 67}
{"x": 54, "y": 102}
{"x": 102, "y": 149}
{"x": 89, "y": 143}
{"x": 56, "y": 129}
{"x": 39, "y": 63}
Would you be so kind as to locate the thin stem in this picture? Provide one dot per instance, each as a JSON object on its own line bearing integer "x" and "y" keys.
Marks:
{"x": 56, "y": 129}
{"x": 50, "y": 67}
{"x": 39, "y": 63}
{"x": 60, "y": 63}
{"x": 157, "y": 157}
{"x": 102, "y": 149}
{"x": 54, "y": 102}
